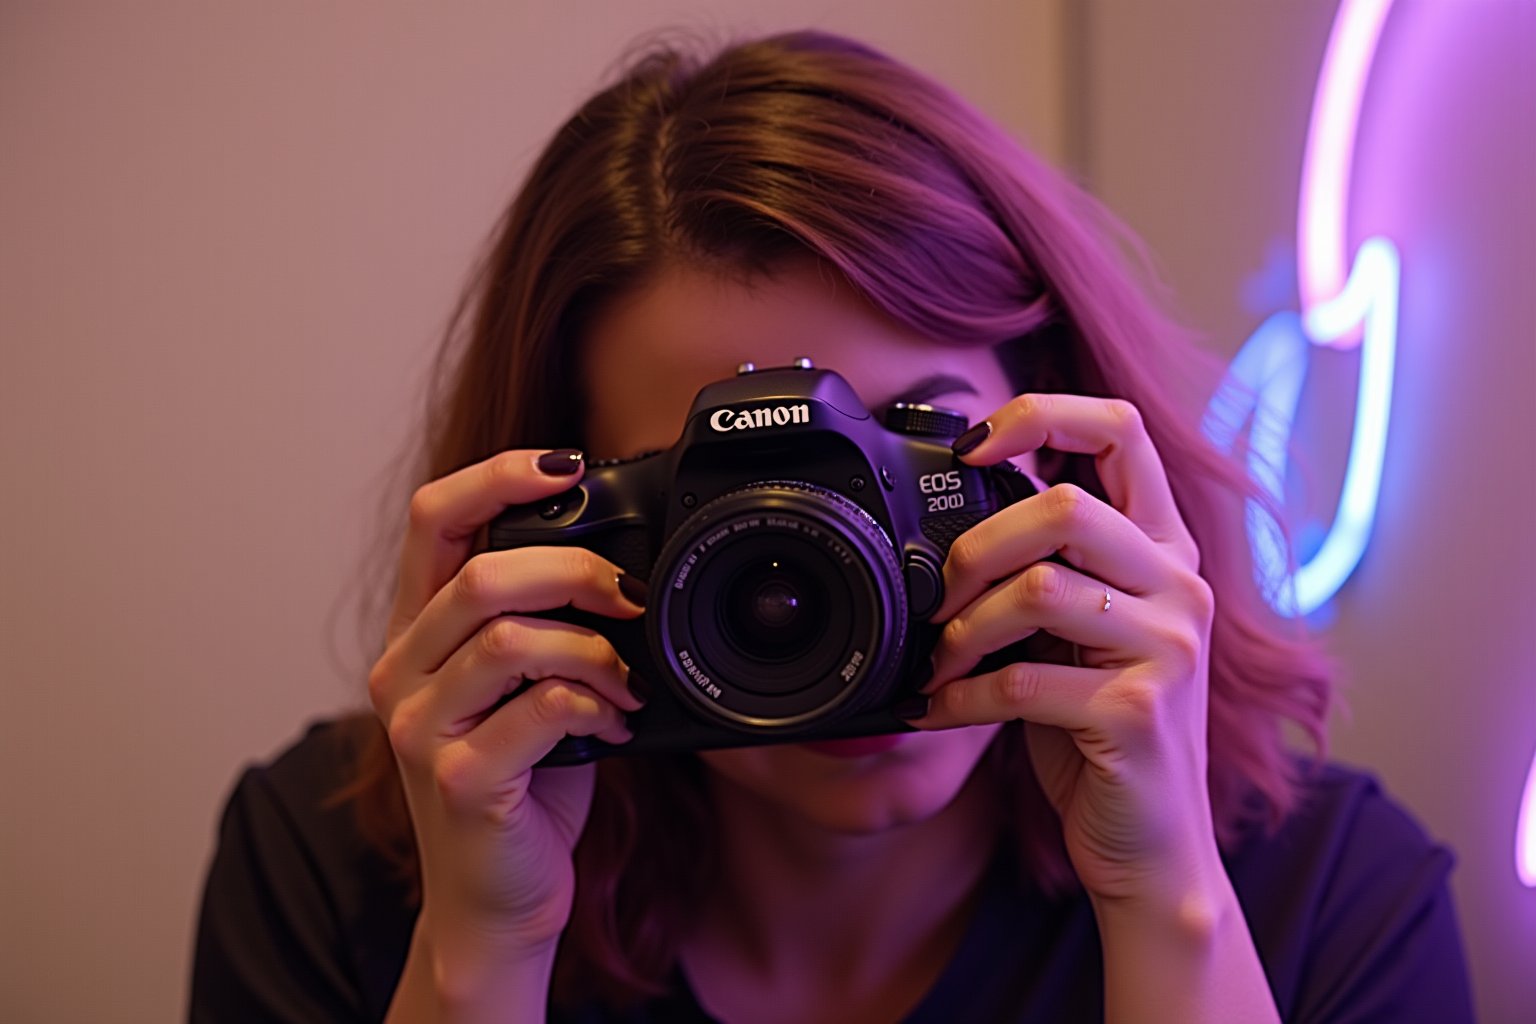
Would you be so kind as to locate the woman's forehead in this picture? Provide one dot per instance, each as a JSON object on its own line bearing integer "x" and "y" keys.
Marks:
{"x": 650, "y": 351}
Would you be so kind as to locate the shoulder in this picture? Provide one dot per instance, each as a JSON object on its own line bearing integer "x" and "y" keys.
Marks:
{"x": 1345, "y": 835}
{"x": 298, "y": 800}
{"x": 1348, "y": 900}
{"x": 296, "y": 797}
{"x": 1343, "y": 821}
{"x": 304, "y": 775}
{"x": 298, "y": 908}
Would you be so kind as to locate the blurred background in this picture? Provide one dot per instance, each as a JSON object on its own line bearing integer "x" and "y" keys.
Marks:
{"x": 230, "y": 236}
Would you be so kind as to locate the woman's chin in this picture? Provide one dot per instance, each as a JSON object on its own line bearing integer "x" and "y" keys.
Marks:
{"x": 855, "y": 787}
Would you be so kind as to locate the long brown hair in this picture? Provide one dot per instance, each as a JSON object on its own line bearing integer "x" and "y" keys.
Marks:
{"x": 811, "y": 143}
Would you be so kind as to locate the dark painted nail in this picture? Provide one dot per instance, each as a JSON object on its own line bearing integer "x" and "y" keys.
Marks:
{"x": 922, "y": 675}
{"x": 912, "y": 707}
{"x": 968, "y": 441}
{"x": 634, "y": 590}
{"x": 639, "y": 687}
{"x": 561, "y": 462}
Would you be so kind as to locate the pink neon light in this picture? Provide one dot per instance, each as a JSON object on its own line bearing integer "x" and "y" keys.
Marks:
{"x": 1525, "y": 832}
{"x": 1323, "y": 207}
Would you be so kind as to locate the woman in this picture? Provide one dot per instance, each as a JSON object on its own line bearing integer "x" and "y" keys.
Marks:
{"x": 1112, "y": 829}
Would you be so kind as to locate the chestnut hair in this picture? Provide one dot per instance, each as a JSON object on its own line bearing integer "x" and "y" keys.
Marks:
{"x": 811, "y": 144}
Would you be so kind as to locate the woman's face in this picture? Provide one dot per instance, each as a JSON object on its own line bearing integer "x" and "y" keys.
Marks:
{"x": 650, "y": 352}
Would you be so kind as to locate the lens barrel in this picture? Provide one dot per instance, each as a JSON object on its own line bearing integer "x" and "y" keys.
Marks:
{"x": 779, "y": 605}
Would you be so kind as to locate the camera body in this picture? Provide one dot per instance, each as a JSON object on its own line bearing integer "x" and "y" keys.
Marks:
{"x": 792, "y": 543}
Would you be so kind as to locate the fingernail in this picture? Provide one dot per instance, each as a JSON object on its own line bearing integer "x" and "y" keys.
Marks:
{"x": 560, "y": 462}
{"x": 912, "y": 707}
{"x": 634, "y": 590}
{"x": 923, "y": 674}
{"x": 629, "y": 689}
{"x": 931, "y": 676}
{"x": 968, "y": 441}
{"x": 639, "y": 687}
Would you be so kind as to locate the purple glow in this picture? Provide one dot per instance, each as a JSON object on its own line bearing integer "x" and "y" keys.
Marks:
{"x": 1525, "y": 832}
{"x": 1323, "y": 208}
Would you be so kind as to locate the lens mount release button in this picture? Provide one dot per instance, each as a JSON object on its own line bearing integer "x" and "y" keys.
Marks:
{"x": 925, "y": 585}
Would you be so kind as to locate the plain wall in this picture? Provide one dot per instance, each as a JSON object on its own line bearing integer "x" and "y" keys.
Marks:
{"x": 229, "y": 238}
{"x": 1197, "y": 113}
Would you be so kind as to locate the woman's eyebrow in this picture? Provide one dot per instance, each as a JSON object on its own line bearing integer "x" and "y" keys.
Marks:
{"x": 934, "y": 386}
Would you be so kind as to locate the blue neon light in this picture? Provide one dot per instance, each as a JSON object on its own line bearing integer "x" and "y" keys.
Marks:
{"x": 1262, "y": 390}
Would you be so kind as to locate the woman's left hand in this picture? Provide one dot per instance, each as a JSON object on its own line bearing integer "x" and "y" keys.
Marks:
{"x": 1118, "y": 740}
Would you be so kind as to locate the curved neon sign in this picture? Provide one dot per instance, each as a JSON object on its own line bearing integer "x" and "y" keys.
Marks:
{"x": 1339, "y": 311}
{"x": 1264, "y": 383}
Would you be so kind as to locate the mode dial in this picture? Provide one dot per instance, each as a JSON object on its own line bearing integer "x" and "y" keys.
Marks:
{"x": 924, "y": 420}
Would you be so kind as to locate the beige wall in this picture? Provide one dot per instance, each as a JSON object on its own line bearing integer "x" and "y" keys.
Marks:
{"x": 229, "y": 235}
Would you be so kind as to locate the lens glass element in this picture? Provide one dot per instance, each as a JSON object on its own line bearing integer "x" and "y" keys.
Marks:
{"x": 775, "y": 609}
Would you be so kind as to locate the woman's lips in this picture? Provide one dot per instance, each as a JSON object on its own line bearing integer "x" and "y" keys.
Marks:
{"x": 862, "y": 746}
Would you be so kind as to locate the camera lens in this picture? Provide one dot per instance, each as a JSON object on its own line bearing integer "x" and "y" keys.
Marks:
{"x": 775, "y": 604}
{"x": 780, "y": 604}
{"x": 772, "y": 617}
{"x": 774, "y": 610}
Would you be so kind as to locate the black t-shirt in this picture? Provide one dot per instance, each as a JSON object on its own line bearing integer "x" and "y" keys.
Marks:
{"x": 1347, "y": 903}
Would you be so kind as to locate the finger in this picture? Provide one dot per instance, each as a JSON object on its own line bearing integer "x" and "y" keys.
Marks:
{"x": 1109, "y": 429}
{"x": 475, "y": 771}
{"x": 446, "y": 513}
{"x": 506, "y": 653}
{"x": 1048, "y": 596}
{"x": 1047, "y": 694}
{"x": 518, "y": 581}
{"x": 1065, "y": 519}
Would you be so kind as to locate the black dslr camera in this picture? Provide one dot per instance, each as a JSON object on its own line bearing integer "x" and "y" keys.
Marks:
{"x": 792, "y": 545}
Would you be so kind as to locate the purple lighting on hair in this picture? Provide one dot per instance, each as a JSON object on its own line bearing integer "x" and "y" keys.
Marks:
{"x": 1324, "y": 207}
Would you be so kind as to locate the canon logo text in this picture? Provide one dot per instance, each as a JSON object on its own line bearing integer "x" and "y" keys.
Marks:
{"x": 726, "y": 420}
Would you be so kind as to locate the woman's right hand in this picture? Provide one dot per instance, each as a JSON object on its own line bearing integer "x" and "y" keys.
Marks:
{"x": 494, "y": 835}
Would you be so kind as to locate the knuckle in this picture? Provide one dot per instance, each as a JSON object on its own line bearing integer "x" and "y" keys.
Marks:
{"x": 1042, "y": 585}
{"x": 956, "y": 633}
{"x": 501, "y": 639}
{"x": 381, "y": 681}
{"x": 1140, "y": 703}
{"x": 603, "y": 654}
{"x": 406, "y": 737}
{"x": 1182, "y": 646}
{"x": 1202, "y": 599}
{"x": 961, "y": 701}
{"x": 556, "y": 704}
{"x": 1019, "y": 685}
{"x": 425, "y": 508}
{"x": 505, "y": 468}
{"x": 453, "y": 774}
{"x": 479, "y": 579}
{"x": 1027, "y": 407}
{"x": 1126, "y": 416}
{"x": 965, "y": 554}
{"x": 582, "y": 567}
{"x": 1069, "y": 505}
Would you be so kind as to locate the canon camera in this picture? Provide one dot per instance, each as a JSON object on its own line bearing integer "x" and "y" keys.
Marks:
{"x": 792, "y": 545}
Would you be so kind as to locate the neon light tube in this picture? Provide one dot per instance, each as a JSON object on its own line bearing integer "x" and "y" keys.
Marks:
{"x": 1322, "y": 213}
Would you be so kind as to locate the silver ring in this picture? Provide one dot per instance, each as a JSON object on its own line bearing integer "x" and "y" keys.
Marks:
{"x": 1106, "y": 599}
